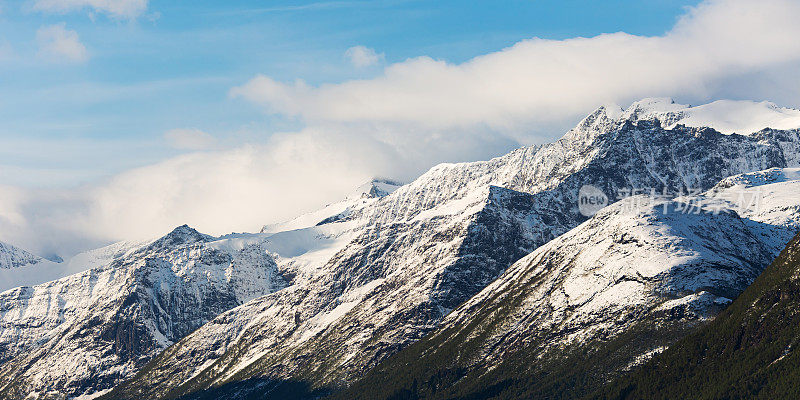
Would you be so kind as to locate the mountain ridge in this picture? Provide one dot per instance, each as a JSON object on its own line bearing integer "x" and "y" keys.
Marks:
{"x": 599, "y": 151}
{"x": 358, "y": 280}
{"x": 15, "y": 257}
{"x": 101, "y": 324}
{"x": 600, "y": 299}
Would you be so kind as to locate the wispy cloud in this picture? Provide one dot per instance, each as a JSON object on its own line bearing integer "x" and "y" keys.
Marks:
{"x": 321, "y": 5}
{"x": 124, "y": 9}
{"x": 189, "y": 139}
{"x": 362, "y": 57}
{"x": 57, "y": 43}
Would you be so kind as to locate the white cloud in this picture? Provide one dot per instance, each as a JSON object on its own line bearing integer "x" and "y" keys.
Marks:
{"x": 127, "y": 9}
{"x": 222, "y": 191}
{"x": 217, "y": 192}
{"x": 362, "y": 57}
{"x": 539, "y": 81}
{"x": 189, "y": 139}
{"x": 57, "y": 43}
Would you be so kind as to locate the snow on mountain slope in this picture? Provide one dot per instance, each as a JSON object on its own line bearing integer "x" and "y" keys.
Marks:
{"x": 758, "y": 178}
{"x": 748, "y": 351}
{"x": 422, "y": 250}
{"x": 387, "y": 288}
{"x": 45, "y": 271}
{"x": 299, "y": 253}
{"x": 14, "y": 257}
{"x": 84, "y": 333}
{"x": 582, "y": 284}
{"x": 19, "y": 267}
{"x": 643, "y": 256}
{"x": 726, "y": 116}
{"x": 663, "y": 265}
{"x": 769, "y": 197}
{"x": 361, "y": 197}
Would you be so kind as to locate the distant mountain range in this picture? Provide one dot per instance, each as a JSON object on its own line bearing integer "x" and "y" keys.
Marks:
{"x": 476, "y": 279}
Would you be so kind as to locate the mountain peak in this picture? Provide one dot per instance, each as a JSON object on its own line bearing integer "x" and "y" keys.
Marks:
{"x": 183, "y": 234}
{"x": 377, "y": 187}
{"x": 743, "y": 117}
{"x": 656, "y": 104}
{"x": 601, "y": 120}
{"x": 13, "y": 257}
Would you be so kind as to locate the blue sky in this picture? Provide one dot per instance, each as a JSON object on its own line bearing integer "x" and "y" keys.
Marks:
{"x": 173, "y": 65}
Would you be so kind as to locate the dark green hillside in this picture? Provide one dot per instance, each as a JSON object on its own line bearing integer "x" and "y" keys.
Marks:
{"x": 519, "y": 377}
{"x": 750, "y": 351}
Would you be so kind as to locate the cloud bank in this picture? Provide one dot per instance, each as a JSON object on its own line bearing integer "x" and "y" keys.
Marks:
{"x": 217, "y": 192}
{"x": 541, "y": 80}
{"x": 415, "y": 114}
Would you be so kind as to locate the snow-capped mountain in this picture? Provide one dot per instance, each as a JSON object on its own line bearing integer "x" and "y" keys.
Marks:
{"x": 387, "y": 287}
{"x": 46, "y": 270}
{"x": 84, "y": 333}
{"x": 421, "y": 251}
{"x": 375, "y": 188}
{"x": 14, "y": 257}
{"x": 646, "y": 269}
{"x": 19, "y": 267}
{"x": 769, "y": 197}
{"x": 725, "y": 116}
{"x": 362, "y": 196}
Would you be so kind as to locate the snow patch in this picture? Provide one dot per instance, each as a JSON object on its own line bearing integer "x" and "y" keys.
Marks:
{"x": 726, "y": 116}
